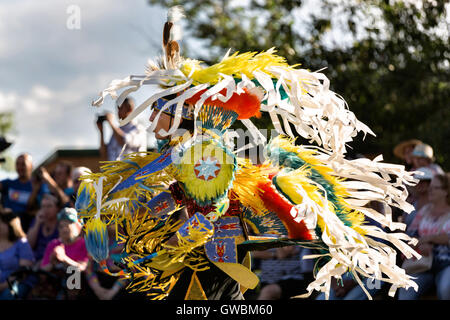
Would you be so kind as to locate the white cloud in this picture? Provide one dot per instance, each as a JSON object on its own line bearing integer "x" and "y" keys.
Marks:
{"x": 7, "y": 101}
{"x": 41, "y": 92}
{"x": 36, "y": 45}
{"x": 50, "y": 74}
{"x": 31, "y": 106}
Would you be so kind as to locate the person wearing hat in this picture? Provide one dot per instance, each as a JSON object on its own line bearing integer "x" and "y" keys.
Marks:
{"x": 419, "y": 195}
{"x": 423, "y": 156}
{"x": 404, "y": 150}
{"x": 69, "y": 249}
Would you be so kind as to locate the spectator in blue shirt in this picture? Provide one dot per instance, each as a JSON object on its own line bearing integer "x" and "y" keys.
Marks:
{"x": 22, "y": 195}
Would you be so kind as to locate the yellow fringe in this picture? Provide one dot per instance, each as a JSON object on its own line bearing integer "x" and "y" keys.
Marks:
{"x": 189, "y": 249}
{"x": 113, "y": 171}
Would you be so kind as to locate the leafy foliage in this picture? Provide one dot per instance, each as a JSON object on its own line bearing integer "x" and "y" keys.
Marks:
{"x": 388, "y": 59}
{"x": 6, "y": 122}
{"x": 6, "y": 125}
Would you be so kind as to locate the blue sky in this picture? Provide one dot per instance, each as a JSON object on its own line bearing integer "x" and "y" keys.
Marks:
{"x": 49, "y": 73}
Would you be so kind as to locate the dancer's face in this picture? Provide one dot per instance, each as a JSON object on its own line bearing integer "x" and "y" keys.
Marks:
{"x": 164, "y": 122}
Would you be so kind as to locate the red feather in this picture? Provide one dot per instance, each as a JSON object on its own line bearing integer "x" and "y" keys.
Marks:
{"x": 276, "y": 203}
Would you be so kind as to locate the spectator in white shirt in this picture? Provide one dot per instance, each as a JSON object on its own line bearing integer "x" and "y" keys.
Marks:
{"x": 132, "y": 135}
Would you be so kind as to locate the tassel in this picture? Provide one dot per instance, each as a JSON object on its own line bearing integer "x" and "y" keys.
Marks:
{"x": 96, "y": 239}
{"x": 85, "y": 197}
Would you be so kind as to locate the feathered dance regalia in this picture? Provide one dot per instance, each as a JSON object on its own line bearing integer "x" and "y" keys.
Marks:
{"x": 300, "y": 195}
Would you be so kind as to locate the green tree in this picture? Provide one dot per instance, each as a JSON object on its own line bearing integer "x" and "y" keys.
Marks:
{"x": 388, "y": 59}
{"x": 6, "y": 122}
{"x": 6, "y": 125}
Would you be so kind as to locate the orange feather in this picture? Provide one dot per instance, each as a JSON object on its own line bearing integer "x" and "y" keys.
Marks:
{"x": 246, "y": 105}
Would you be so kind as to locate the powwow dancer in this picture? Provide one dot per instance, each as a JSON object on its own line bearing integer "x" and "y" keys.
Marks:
{"x": 189, "y": 216}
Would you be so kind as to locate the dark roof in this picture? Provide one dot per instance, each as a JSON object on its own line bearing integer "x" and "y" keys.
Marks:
{"x": 71, "y": 153}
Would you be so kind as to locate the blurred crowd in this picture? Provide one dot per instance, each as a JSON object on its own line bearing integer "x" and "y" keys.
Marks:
{"x": 43, "y": 253}
{"x": 41, "y": 237}
{"x": 42, "y": 246}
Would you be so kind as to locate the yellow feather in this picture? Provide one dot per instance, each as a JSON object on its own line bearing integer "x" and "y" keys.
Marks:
{"x": 245, "y": 185}
{"x": 235, "y": 65}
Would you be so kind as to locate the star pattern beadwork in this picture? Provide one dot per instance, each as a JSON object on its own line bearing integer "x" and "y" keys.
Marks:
{"x": 207, "y": 168}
